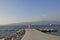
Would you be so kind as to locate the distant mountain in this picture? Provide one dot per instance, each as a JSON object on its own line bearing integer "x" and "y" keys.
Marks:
{"x": 37, "y": 22}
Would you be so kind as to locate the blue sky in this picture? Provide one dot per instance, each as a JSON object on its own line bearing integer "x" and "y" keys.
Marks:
{"x": 14, "y": 11}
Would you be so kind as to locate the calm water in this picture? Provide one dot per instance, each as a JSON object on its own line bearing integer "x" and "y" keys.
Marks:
{"x": 6, "y": 30}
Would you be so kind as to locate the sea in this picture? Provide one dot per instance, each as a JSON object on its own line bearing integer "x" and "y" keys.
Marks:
{"x": 6, "y": 30}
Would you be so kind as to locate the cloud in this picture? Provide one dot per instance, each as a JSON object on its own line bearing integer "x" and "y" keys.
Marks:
{"x": 43, "y": 17}
{"x": 38, "y": 18}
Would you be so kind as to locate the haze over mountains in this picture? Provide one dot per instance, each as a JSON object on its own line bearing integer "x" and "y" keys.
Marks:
{"x": 37, "y": 23}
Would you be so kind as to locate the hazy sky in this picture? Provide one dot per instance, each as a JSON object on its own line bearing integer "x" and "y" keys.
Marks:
{"x": 12, "y": 11}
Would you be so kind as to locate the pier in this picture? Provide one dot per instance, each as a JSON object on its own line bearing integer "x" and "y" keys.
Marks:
{"x": 20, "y": 33}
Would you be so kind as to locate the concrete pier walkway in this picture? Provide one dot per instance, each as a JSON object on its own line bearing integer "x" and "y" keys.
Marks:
{"x": 32, "y": 34}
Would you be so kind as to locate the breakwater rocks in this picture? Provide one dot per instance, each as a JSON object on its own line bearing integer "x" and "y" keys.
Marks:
{"x": 15, "y": 36}
{"x": 47, "y": 30}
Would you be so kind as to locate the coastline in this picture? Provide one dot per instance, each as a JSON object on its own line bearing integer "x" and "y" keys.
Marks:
{"x": 14, "y": 36}
{"x": 30, "y": 34}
